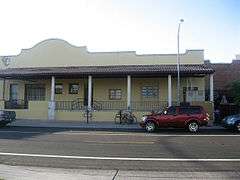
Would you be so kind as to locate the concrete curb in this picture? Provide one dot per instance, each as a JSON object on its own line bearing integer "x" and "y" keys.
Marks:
{"x": 90, "y": 129}
{"x": 122, "y": 129}
{"x": 105, "y": 126}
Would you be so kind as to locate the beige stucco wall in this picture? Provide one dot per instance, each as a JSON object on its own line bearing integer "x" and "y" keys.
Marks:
{"x": 47, "y": 83}
{"x": 70, "y": 116}
{"x": 66, "y": 96}
{"x": 101, "y": 87}
{"x": 36, "y": 110}
{"x": 39, "y": 110}
{"x": 161, "y": 83}
{"x": 59, "y": 53}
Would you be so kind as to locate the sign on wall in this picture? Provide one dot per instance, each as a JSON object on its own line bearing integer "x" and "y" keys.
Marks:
{"x": 6, "y": 60}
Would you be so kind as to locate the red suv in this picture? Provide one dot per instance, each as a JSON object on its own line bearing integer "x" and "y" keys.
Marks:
{"x": 189, "y": 117}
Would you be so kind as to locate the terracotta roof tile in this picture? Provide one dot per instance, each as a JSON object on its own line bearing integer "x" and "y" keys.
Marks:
{"x": 106, "y": 70}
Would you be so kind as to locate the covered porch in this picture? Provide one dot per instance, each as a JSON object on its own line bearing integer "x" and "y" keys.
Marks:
{"x": 67, "y": 93}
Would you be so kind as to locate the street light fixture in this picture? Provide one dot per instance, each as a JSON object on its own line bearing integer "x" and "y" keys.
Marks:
{"x": 178, "y": 63}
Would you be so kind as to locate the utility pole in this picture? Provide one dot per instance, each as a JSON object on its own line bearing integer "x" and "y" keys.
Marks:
{"x": 178, "y": 63}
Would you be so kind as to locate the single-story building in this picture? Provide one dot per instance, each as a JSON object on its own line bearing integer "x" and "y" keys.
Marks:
{"x": 58, "y": 81}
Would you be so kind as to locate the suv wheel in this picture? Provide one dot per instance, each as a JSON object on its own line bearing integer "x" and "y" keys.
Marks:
{"x": 150, "y": 127}
{"x": 238, "y": 126}
{"x": 193, "y": 127}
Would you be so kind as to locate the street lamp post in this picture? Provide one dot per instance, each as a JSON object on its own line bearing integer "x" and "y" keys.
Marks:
{"x": 178, "y": 63}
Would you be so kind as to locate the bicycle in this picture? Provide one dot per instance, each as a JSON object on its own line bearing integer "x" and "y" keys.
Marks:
{"x": 125, "y": 117}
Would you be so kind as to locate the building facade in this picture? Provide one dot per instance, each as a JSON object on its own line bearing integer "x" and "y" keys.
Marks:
{"x": 224, "y": 75}
{"x": 58, "y": 81}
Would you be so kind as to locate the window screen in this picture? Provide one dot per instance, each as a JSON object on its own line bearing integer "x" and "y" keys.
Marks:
{"x": 150, "y": 91}
{"x": 73, "y": 88}
{"x": 58, "y": 88}
{"x": 115, "y": 94}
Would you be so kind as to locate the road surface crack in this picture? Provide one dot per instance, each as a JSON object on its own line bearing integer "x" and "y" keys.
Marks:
{"x": 115, "y": 174}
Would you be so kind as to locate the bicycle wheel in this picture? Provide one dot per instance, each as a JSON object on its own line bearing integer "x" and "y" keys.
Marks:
{"x": 117, "y": 119}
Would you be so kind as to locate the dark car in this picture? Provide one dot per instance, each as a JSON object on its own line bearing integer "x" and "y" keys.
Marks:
{"x": 232, "y": 122}
{"x": 6, "y": 117}
{"x": 189, "y": 117}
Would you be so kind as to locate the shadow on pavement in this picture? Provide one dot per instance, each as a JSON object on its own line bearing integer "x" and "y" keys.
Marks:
{"x": 14, "y": 132}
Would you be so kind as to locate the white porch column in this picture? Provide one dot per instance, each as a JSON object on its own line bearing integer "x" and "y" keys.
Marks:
{"x": 3, "y": 89}
{"x": 53, "y": 89}
{"x": 51, "y": 104}
{"x": 211, "y": 88}
{"x": 169, "y": 90}
{"x": 89, "y": 92}
{"x": 129, "y": 92}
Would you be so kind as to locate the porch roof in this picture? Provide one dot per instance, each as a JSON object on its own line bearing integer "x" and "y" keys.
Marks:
{"x": 105, "y": 70}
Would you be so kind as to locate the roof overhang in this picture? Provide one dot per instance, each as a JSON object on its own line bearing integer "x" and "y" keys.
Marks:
{"x": 106, "y": 71}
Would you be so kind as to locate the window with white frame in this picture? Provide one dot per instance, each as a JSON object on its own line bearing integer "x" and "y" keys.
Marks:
{"x": 150, "y": 91}
{"x": 73, "y": 88}
{"x": 58, "y": 88}
{"x": 115, "y": 94}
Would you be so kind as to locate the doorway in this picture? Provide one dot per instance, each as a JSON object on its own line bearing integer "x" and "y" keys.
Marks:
{"x": 13, "y": 95}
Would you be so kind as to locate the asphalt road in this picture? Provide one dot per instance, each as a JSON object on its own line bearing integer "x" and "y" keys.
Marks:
{"x": 165, "y": 151}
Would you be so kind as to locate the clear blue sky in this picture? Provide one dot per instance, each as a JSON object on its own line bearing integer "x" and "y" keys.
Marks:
{"x": 213, "y": 25}
{"x": 145, "y": 26}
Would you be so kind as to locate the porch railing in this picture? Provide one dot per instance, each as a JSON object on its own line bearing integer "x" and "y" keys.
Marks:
{"x": 135, "y": 105}
{"x": 16, "y": 104}
{"x": 69, "y": 105}
{"x": 110, "y": 105}
{"x": 148, "y": 105}
{"x": 114, "y": 105}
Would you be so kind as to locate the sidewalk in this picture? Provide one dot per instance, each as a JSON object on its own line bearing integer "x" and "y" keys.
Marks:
{"x": 28, "y": 173}
{"x": 86, "y": 126}
{"x": 75, "y": 124}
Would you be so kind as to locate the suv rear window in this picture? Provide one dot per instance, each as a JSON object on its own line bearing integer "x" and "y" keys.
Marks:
{"x": 171, "y": 111}
{"x": 190, "y": 110}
